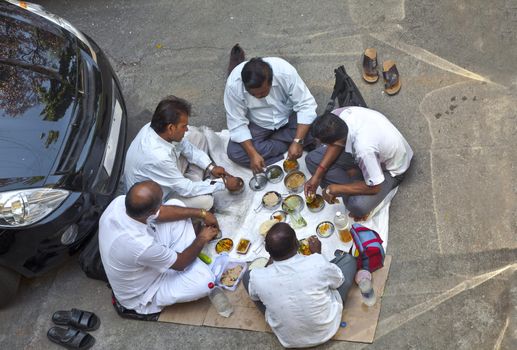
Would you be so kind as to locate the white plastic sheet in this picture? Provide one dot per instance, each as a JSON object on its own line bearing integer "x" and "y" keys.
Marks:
{"x": 238, "y": 220}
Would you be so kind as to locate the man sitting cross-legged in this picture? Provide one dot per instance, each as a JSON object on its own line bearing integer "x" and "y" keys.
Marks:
{"x": 149, "y": 250}
{"x": 302, "y": 296}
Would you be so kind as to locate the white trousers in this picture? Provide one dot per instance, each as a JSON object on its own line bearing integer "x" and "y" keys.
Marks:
{"x": 189, "y": 284}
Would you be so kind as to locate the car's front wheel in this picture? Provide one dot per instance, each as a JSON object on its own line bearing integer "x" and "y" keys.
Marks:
{"x": 9, "y": 281}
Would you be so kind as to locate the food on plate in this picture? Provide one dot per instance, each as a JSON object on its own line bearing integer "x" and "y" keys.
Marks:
{"x": 304, "y": 247}
{"x": 325, "y": 229}
{"x": 231, "y": 275}
{"x": 316, "y": 204}
{"x": 271, "y": 199}
{"x": 265, "y": 226}
{"x": 243, "y": 246}
{"x": 279, "y": 216}
{"x": 295, "y": 180}
{"x": 274, "y": 172}
{"x": 292, "y": 203}
{"x": 224, "y": 245}
{"x": 290, "y": 165}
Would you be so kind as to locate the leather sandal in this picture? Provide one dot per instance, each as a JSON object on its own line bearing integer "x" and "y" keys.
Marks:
{"x": 237, "y": 56}
{"x": 391, "y": 77}
{"x": 70, "y": 338}
{"x": 76, "y": 318}
{"x": 370, "y": 73}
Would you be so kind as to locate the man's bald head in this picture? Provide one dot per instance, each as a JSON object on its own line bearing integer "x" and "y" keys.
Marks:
{"x": 143, "y": 199}
{"x": 281, "y": 242}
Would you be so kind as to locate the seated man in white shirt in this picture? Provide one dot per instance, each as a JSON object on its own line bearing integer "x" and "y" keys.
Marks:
{"x": 269, "y": 110}
{"x": 161, "y": 153}
{"x": 149, "y": 250}
{"x": 302, "y": 296}
{"x": 363, "y": 157}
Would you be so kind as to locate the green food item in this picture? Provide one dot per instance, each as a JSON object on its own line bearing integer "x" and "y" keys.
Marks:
{"x": 205, "y": 258}
{"x": 274, "y": 173}
{"x": 292, "y": 203}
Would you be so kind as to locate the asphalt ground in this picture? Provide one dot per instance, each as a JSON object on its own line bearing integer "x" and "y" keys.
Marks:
{"x": 453, "y": 280}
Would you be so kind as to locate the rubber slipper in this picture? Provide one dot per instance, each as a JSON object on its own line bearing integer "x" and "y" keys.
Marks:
{"x": 370, "y": 73}
{"x": 76, "y": 318}
{"x": 70, "y": 338}
{"x": 391, "y": 77}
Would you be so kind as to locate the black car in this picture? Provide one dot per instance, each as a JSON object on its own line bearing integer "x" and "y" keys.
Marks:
{"x": 62, "y": 138}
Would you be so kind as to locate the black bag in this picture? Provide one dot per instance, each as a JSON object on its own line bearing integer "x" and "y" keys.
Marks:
{"x": 345, "y": 91}
{"x": 90, "y": 260}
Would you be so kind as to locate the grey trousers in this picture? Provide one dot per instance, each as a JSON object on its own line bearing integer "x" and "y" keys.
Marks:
{"x": 359, "y": 205}
{"x": 346, "y": 263}
{"x": 271, "y": 144}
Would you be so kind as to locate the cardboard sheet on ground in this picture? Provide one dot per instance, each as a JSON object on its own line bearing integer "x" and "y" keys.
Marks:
{"x": 237, "y": 220}
{"x": 361, "y": 320}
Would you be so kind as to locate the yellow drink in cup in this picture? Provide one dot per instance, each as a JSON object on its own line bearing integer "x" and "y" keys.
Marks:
{"x": 343, "y": 227}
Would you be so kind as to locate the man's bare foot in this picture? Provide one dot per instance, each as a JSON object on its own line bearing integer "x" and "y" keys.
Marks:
{"x": 236, "y": 57}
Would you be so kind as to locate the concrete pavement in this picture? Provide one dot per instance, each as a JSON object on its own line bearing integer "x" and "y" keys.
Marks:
{"x": 453, "y": 282}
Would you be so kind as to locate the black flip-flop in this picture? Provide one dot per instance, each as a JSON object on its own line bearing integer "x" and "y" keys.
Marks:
{"x": 76, "y": 318}
{"x": 70, "y": 338}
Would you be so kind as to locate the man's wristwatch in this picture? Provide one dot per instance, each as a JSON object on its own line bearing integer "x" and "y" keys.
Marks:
{"x": 211, "y": 167}
{"x": 298, "y": 141}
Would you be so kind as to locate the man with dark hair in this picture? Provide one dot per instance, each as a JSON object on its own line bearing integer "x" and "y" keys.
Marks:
{"x": 302, "y": 296}
{"x": 269, "y": 110}
{"x": 363, "y": 157}
{"x": 162, "y": 152}
{"x": 149, "y": 250}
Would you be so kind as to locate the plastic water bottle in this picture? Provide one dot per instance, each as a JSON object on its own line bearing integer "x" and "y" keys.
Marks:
{"x": 343, "y": 227}
{"x": 363, "y": 279}
{"x": 219, "y": 300}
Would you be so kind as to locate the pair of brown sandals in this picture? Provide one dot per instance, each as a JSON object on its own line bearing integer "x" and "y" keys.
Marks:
{"x": 389, "y": 72}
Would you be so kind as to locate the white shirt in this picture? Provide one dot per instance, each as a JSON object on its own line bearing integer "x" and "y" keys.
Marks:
{"x": 150, "y": 157}
{"x": 288, "y": 93}
{"x": 303, "y": 306}
{"x": 375, "y": 144}
{"x": 134, "y": 262}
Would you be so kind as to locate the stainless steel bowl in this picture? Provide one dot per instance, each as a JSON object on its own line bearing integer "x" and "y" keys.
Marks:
{"x": 288, "y": 182}
{"x": 258, "y": 182}
{"x": 274, "y": 173}
{"x": 325, "y": 229}
{"x": 291, "y": 165}
{"x": 279, "y": 215}
{"x": 317, "y": 204}
{"x": 241, "y": 189}
{"x": 272, "y": 206}
{"x": 293, "y": 202}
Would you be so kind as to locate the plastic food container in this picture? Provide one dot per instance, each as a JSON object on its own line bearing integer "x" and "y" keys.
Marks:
{"x": 243, "y": 246}
{"x": 222, "y": 263}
